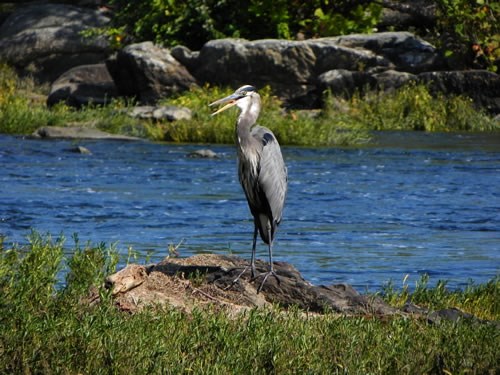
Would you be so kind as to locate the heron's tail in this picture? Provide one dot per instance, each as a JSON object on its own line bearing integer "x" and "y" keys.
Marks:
{"x": 263, "y": 222}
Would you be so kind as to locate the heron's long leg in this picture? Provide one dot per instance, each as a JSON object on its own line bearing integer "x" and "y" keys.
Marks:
{"x": 271, "y": 267}
{"x": 252, "y": 262}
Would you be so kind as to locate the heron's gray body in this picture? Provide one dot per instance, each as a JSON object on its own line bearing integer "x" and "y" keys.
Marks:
{"x": 263, "y": 176}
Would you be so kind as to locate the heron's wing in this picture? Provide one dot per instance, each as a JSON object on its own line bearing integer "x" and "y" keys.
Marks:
{"x": 273, "y": 177}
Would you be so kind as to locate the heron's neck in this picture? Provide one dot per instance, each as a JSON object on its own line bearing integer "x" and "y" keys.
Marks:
{"x": 246, "y": 120}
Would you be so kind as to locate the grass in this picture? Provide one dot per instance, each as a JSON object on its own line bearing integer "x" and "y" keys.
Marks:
{"x": 412, "y": 107}
{"x": 340, "y": 122}
{"x": 479, "y": 300}
{"x": 23, "y": 110}
{"x": 291, "y": 128}
{"x": 45, "y": 327}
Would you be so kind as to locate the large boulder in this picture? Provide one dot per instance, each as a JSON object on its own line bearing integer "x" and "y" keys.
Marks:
{"x": 392, "y": 79}
{"x": 78, "y": 132}
{"x": 330, "y": 54}
{"x": 407, "y": 52}
{"x": 161, "y": 113}
{"x": 81, "y": 85}
{"x": 280, "y": 63}
{"x": 46, "y": 39}
{"x": 482, "y": 86}
{"x": 291, "y": 68}
{"x": 148, "y": 72}
{"x": 343, "y": 82}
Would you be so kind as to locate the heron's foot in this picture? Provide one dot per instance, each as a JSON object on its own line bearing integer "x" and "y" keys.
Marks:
{"x": 266, "y": 275}
{"x": 239, "y": 276}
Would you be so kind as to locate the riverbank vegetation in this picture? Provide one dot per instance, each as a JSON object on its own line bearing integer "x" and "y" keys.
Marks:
{"x": 464, "y": 30}
{"x": 52, "y": 326}
{"x": 340, "y": 122}
{"x": 194, "y": 22}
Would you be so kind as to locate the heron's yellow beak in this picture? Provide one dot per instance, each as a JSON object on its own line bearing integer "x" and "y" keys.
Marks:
{"x": 230, "y": 100}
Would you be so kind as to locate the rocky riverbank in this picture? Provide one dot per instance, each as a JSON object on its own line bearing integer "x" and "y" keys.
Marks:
{"x": 48, "y": 41}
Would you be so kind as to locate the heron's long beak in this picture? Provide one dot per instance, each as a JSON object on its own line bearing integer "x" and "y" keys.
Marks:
{"x": 230, "y": 100}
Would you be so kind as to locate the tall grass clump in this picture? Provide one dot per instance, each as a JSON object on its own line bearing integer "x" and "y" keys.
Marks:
{"x": 23, "y": 110}
{"x": 291, "y": 128}
{"x": 480, "y": 300}
{"x": 412, "y": 107}
{"x": 49, "y": 324}
{"x": 19, "y": 112}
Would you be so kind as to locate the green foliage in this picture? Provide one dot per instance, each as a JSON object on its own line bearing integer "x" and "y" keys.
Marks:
{"x": 328, "y": 21}
{"x": 23, "y": 110}
{"x": 479, "y": 300}
{"x": 88, "y": 266}
{"x": 49, "y": 327}
{"x": 18, "y": 111}
{"x": 194, "y": 22}
{"x": 471, "y": 25}
{"x": 30, "y": 274}
{"x": 115, "y": 35}
{"x": 294, "y": 128}
{"x": 412, "y": 107}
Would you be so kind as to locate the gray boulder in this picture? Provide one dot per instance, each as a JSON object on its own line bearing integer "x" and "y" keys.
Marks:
{"x": 80, "y": 150}
{"x": 148, "y": 72}
{"x": 330, "y": 55}
{"x": 287, "y": 66}
{"x": 158, "y": 284}
{"x": 407, "y": 52}
{"x": 482, "y": 86}
{"x": 83, "y": 85}
{"x": 203, "y": 154}
{"x": 185, "y": 56}
{"x": 46, "y": 40}
{"x": 392, "y": 79}
{"x": 168, "y": 112}
{"x": 78, "y": 132}
{"x": 343, "y": 82}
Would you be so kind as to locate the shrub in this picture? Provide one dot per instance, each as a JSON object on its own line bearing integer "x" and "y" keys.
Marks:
{"x": 412, "y": 107}
{"x": 194, "y": 22}
{"x": 471, "y": 26}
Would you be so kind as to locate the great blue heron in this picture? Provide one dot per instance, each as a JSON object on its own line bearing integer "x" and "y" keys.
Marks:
{"x": 261, "y": 170}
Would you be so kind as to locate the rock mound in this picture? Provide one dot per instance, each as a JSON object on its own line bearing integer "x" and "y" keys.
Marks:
{"x": 209, "y": 279}
{"x": 83, "y": 85}
{"x": 46, "y": 39}
{"x": 148, "y": 72}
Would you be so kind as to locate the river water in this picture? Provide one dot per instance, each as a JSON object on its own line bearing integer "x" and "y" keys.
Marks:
{"x": 409, "y": 204}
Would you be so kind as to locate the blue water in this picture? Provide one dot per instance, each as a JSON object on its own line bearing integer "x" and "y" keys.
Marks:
{"x": 410, "y": 204}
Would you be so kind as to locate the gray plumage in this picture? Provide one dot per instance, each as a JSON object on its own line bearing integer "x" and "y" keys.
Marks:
{"x": 261, "y": 169}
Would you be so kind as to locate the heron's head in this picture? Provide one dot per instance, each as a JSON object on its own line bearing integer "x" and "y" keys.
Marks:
{"x": 243, "y": 98}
